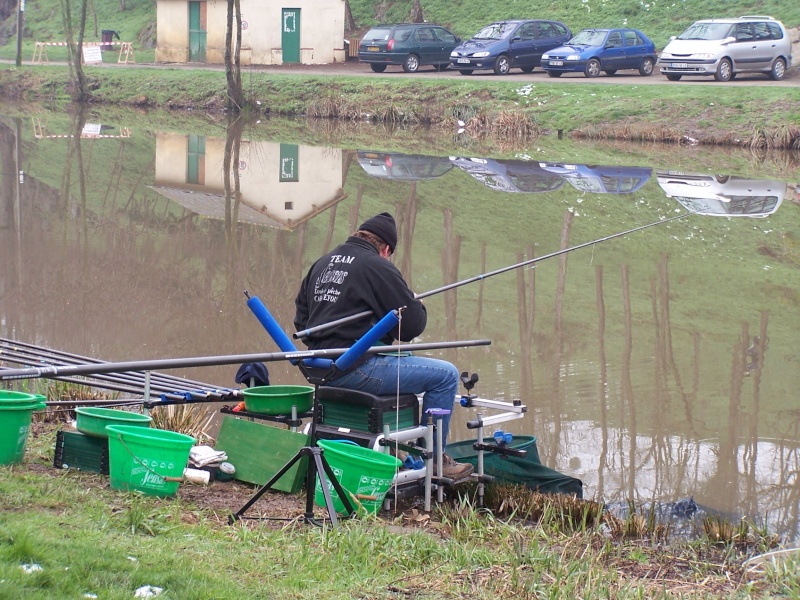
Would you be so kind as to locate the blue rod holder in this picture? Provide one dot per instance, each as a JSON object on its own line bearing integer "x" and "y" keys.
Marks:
{"x": 380, "y": 329}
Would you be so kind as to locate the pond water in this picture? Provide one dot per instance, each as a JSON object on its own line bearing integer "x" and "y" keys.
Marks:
{"x": 655, "y": 366}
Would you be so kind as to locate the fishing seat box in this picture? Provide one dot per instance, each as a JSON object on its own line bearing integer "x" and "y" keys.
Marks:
{"x": 74, "y": 450}
{"x": 360, "y": 411}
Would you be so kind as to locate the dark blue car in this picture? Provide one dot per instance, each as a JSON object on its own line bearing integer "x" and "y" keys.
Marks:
{"x": 593, "y": 51}
{"x": 506, "y": 45}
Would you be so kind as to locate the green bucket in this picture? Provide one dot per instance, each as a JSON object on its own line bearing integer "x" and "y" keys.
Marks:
{"x": 93, "y": 420}
{"x": 278, "y": 399}
{"x": 366, "y": 474}
{"x": 147, "y": 460}
{"x": 9, "y": 398}
{"x": 15, "y": 423}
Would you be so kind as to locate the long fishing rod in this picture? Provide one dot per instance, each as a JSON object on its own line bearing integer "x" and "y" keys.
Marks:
{"x": 209, "y": 361}
{"x": 78, "y": 359}
{"x": 450, "y": 286}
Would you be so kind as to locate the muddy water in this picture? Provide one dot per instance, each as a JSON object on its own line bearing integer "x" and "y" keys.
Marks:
{"x": 654, "y": 366}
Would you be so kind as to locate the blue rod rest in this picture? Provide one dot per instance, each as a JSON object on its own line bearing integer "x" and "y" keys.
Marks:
{"x": 270, "y": 324}
{"x": 380, "y": 329}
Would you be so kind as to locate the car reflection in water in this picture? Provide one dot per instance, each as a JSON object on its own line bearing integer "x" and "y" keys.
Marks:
{"x": 509, "y": 175}
{"x": 403, "y": 167}
{"x": 601, "y": 179}
{"x": 722, "y": 195}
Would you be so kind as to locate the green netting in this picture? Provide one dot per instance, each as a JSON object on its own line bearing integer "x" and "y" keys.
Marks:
{"x": 527, "y": 471}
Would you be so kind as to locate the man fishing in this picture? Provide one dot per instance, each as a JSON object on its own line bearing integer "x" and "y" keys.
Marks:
{"x": 357, "y": 277}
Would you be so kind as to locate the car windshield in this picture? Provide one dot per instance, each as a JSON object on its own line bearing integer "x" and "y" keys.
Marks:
{"x": 706, "y": 31}
{"x": 588, "y": 37}
{"x": 378, "y": 34}
{"x": 495, "y": 31}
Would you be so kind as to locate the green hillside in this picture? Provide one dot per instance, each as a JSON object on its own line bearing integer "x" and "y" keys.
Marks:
{"x": 657, "y": 18}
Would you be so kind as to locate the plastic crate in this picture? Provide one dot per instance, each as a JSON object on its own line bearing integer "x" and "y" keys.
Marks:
{"x": 75, "y": 450}
{"x": 355, "y": 410}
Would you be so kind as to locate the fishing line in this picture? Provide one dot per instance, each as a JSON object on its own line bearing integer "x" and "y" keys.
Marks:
{"x": 444, "y": 288}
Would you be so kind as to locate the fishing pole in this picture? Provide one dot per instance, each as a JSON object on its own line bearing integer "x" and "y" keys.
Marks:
{"x": 450, "y": 286}
{"x": 209, "y": 361}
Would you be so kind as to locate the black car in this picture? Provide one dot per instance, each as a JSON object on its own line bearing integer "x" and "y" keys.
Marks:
{"x": 411, "y": 45}
{"x": 505, "y": 45}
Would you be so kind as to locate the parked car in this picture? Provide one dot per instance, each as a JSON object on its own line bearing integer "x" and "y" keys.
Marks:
{"x": 506, "y": 45}
{"x": 411, "y": 45}
{"x": 594, "y": 50}
{"x": 725, "y": 47}
{"x": 722, "y": 195}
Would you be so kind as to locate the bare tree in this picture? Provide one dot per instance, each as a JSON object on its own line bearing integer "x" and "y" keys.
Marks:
{"x": 79, "y": 91}
{"x": 233, "y": 70}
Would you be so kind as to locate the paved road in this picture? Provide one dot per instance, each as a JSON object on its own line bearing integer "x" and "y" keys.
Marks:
{"x": 356, "y": 69}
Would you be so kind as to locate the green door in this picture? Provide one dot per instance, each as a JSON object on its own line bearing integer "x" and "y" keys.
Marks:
{"x": 290, "y": 38}
{"x": 197, "y": 31}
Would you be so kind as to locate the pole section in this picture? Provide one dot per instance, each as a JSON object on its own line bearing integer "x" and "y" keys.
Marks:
{"x": 208, "y": 361}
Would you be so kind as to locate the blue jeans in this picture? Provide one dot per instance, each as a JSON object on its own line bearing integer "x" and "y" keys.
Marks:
{"x": 390, "y": 375}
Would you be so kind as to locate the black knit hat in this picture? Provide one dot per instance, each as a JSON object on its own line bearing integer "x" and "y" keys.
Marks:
{"x": 384, "y": 227}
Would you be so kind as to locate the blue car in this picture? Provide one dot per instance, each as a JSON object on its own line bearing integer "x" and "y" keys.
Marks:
{"x": 593, "y": 51}
{"x": 506, "y": 45}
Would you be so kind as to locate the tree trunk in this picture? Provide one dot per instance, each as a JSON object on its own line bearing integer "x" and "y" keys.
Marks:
{"x": 233, "y": 71}
{"x": 416, "y": 13}
{"x": 78, "y": 92}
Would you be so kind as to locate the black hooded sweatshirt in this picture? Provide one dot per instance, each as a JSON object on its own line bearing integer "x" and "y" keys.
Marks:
{"x": 354, "y": 278}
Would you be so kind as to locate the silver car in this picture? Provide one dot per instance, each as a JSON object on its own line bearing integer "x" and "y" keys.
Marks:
{"x": 725, "y": 47}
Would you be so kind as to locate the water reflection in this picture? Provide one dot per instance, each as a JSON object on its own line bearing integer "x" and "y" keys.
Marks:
{"x": 601, "y": 179}
{"x": 402, "y": 167}
{"x": 509, "y": 175}
{"x": 725, "y": 195}
{"x": 280, "y": 185}
{"x": 640, "y": 379}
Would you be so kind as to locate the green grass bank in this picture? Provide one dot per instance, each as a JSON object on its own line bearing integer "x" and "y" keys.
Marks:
{"x": 509, "y": 110}
{"x": 52, "y": 523}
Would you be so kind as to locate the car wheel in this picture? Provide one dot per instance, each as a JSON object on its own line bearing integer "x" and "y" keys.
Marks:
{"x": 527, "y": 69}
{"x": 411, "y": 63}
{"x": 610, "y": 71}
{"x": 778, "y": 70}
{"x": 554, "y": 73}
{"x": 724, "y": 70}
{"x": 646, "y": 68}
{"x": 441, "y": 67}
{"x": 592, "y": 68}
{"x": 674, "y": 77}
{"x": 465, "y": 71}
{"x": 377, "y": 68}
{"x": 502, "y": 65}
{"x": 722, "y": 178}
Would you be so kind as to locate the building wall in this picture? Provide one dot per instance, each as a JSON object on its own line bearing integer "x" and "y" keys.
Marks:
{"x": 321, "y": 31}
